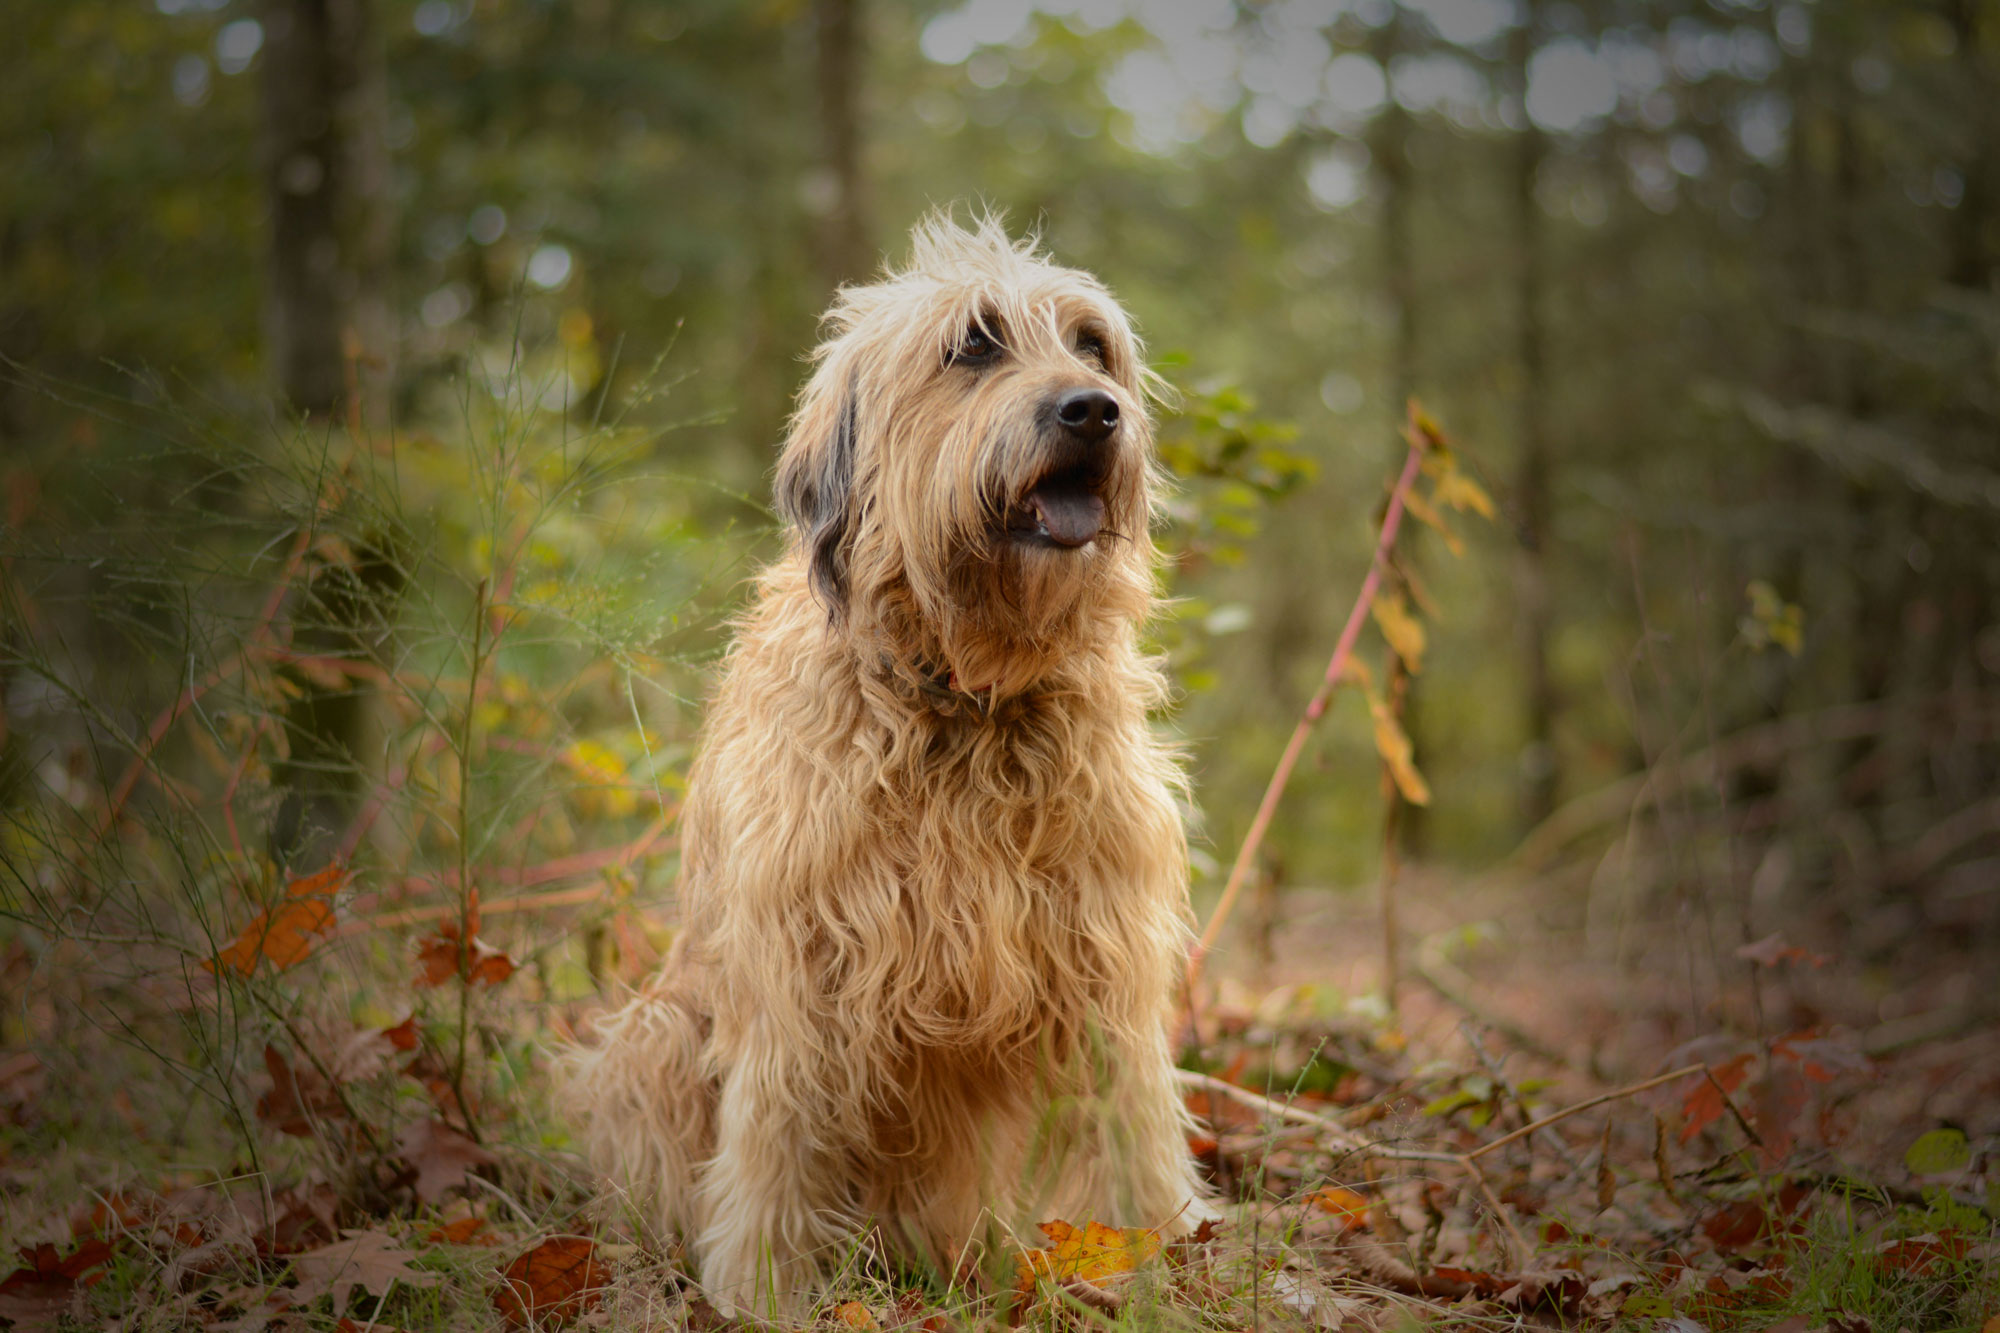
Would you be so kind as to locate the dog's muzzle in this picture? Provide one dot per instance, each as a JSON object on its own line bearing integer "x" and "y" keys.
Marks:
{"x": 1065, "y": 505}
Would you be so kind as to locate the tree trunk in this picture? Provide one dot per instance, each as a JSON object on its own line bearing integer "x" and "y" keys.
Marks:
{"x": 328, "y": 338}
{"x": 1533, "y": 603}
{"x": 1970, "y": 266}
{"x": 845, "y": 251}
{"x": 326, "y": 174}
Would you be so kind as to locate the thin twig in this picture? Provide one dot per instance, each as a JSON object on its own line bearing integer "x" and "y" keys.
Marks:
{"x": 1343, "y": 1138}
{"x": 1267, "y": 809}
{"x": 236, "y": 776}
{"x": 187, "y": 698}
{"x": 468, "y": 894}
{"x": 1523, "y": 1247}
{"x": 575, "y": 866}
{"x": 1730, "y": 1102}
{"x": 1584, "y": 1105}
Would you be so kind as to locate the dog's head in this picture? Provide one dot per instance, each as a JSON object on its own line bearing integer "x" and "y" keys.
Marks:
{"x": 970, "y": 469}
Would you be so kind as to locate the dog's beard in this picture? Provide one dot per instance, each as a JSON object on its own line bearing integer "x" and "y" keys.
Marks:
{"x": 1039, "y": 568}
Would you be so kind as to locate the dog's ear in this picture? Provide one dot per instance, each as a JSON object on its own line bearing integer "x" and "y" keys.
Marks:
{"x": 814, "y": 491}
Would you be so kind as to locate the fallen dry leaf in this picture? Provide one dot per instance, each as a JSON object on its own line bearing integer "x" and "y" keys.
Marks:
{"x": 853, "y": 1314}
{"x": 361, "y": 1054}
{"x": 1349, "y": 1210}
{"x": 1735, "y": 1225}
{"x": 285, "y": 934}
{"x": 1704, "y": 1105}
{"x": 438, "y": 954}
{"x": 461, "y": 1231}
{"x": 1661, "y": 1167}
{"x": 371, "y": 1260}
{"x": 303, "y": 1219}
{"x": 442, "y": 1157}
{"x": 1093, "y": 1253}
{"x": 1310, "y": 1300}
{"x": 299, "y": 1100}
{"x": 1921, "y": 1254}
{"x": 552, "y": 1282}
{"x": 48, "y": 1273}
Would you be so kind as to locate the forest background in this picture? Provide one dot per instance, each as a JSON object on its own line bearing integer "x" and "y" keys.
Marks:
{"x": 389, "y": 391}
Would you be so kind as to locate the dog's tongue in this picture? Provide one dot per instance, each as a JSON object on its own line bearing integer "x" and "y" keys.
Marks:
{"x": 1072, "y": 517}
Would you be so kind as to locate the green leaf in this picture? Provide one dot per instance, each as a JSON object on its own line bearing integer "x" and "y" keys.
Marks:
{"x": 1646, "y": 1305}
{"x": 1937, "y": 1152}
{"x": 1452, "y": 1101}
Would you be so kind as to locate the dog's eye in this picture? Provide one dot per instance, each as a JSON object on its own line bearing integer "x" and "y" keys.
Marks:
{"x": 1090, "y": 347}
{"x": 975, "y": 347}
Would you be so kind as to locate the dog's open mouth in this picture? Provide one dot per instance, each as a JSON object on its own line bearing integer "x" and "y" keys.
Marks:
{"x": 1063, "y": 509}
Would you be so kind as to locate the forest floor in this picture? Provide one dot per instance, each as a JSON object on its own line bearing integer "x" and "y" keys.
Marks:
{"x": 1564, "y": 1122}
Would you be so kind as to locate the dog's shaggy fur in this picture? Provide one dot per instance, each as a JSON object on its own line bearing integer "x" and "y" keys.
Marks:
{"x": 933, "y": 893}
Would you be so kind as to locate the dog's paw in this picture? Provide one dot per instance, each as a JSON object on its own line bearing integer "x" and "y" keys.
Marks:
{"x": 1189, "y": 1219}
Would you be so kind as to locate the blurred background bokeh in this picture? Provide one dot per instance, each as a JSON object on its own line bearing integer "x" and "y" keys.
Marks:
{"x": 1704, "y": 290}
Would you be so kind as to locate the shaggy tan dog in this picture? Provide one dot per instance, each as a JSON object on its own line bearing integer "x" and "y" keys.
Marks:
{"x": 933, "y": 895}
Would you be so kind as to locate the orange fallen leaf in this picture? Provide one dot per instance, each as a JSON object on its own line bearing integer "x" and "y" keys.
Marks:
{"x": 1350, "y": 1210}
{"x": 438, "y": 954}
{"x": 853, "y": 1314}
{"x": 1093, "y": 1253}
{"x": 460, "y": 1231}
{"x": 46, "y": 1266}
{"x": 1922, "y": 1254}
{"x": 1704, "y": 1106}
{"x": 37, "y": 1295}
{"x": 1737, "y": 1226}
{"x": 552, "y": 1282}
{"x": 285, "y": 934}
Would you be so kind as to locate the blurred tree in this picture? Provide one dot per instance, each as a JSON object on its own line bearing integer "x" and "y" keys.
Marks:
{"x": 327, "y": 182}
{"x": 330, "y": 343}
{"x": 845, "y": 242}
{"x": 1540, "y": 777}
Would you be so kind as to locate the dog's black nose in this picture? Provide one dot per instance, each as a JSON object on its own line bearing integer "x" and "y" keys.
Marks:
{"x": 1089, "y": 414}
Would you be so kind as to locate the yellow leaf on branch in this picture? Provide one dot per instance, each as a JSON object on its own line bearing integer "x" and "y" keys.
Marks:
{"x": 1393, "y": 744}
{"x": 1460, "y": 492}
{"x": 1421, "y": 510}
{"x": 1404, "y": 631}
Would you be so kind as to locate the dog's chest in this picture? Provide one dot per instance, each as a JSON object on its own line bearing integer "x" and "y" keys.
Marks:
{"x": 1004, "y": 885}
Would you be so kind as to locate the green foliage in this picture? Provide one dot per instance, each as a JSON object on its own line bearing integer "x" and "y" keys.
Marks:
{"x": 526, "y": 607}
{"x": 1938, "y": 1152}
{"x": 1227, "y": 466}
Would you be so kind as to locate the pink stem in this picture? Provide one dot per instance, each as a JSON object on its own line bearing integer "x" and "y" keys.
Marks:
{"x": 1280, "y": 776}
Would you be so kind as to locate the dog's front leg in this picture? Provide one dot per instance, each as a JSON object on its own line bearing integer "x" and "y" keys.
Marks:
{"x": 1159, "y": 1183}
{"x": 775, "y": 1206}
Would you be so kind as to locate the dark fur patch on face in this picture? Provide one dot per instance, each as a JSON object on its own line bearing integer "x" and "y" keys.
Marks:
{"x": 815, "y": 493}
